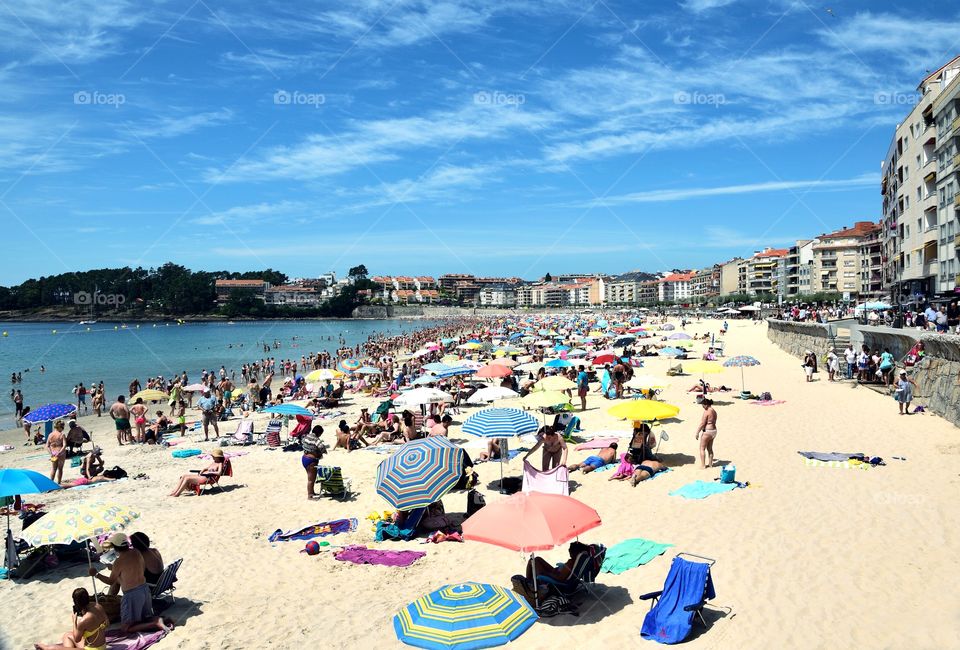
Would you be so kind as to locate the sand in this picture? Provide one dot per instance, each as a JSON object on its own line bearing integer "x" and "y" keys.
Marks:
{"x": 805, "y": 557}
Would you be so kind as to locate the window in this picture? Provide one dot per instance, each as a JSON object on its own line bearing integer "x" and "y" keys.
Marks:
{"x": 849, "y": 285}
{"x": 848, "y": 262}
{"x": 907, "y": 261}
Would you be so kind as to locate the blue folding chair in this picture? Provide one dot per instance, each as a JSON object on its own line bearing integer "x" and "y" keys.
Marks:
{"x": 689, "y": 585}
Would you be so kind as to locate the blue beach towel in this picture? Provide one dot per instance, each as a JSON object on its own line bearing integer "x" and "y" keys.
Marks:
{"x": 702, "y": 489}
{"x": 321, "y": 529}
{"x": 185, "y": 453}
{"x": 631, "y": 553}
{"x": 667, "y": 622}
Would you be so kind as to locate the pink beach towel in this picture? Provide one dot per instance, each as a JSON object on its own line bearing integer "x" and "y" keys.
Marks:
{"x": 554, "y": 481}
{"x": 768, "y": 402}
{"x": 625, "y": 468}
{"x": 596, "y": 443}
{"x": 364, "y": 555}
{"x": 117, "y": 640}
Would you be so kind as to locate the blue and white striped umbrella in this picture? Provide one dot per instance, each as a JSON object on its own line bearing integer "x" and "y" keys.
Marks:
{"x": 419, "y": 473}
{"x": 500, "y": 423}
{"x": 741, "y": 361}
{"x": 287, "y": 409}
{"x": 49, "y": 412}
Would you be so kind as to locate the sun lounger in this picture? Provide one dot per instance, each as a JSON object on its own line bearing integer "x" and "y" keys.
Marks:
{"x": 688, "y": 586}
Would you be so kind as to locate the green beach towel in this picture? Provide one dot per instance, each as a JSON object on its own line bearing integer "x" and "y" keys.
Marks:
{"x": 631, "y": 553}
{"x": 702, "y": 489}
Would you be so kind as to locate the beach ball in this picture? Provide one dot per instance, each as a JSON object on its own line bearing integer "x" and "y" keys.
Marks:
{"x": 312, "y": 548}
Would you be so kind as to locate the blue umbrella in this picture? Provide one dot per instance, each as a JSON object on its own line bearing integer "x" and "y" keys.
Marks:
{"x": 368, "y": 370}
{"x": 436, "y": 367}
{"x": 286, "y": 409}
{"x": 467, "y": 616}
{"x": 419, "y": 473}
{"x": 49, "y": 412}
{"x": 24, "y": 481}
{"x": 423, "y": 380}
{"x": 557, "y": 363}
{"x": 561, "y": 348}
{"x": 453, "y": 372}
{"x": 500, "y": 423}
{"x": 672, "y": 352}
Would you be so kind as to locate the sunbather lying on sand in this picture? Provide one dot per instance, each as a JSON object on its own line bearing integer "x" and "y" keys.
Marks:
{"x": 646, "y": 470}
{"x": 595, "y": 462}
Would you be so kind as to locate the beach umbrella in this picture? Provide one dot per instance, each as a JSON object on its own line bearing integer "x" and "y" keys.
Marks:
{"x": 667, "y": 328}
{"x": 350, "y": 365}
{"x": 151, "y": 395}
{"x": 500, "y": 423}
{"x": 698, "y": 367}
{"x": 421, "y": 353}
{"x": 467, "y": 363}
{"x": 419, "y": 396}
{"x": 492, "y": 394}
{"x": 195, "y": 388}
{"x": 14, "y": 482}
{"x": 419, "y": 473}
{"x": 530, "y": 522}
{"x": 509, "y": 363}
{"x": 453, "y": 372}
{"x": 465, "y": 616}
{"x": 367, "y": 370}
{"x": 558, "y": 363}
{"x": 436, "y": 367}
{"x": 287, "y": 409}
{"x": 494, "y": 371}
{"x": 49, "y": 412}
{"x": 555, "y": 382}
{"x": 79, "y": 522}
{"x": 533, "y": 366}
{"x": 544, "y": 398}
{"x": 645, "y": 382}
{"x": 624, "y": 341}
{"x": 604, "y": 359}
{"x": 680, "y": 336}
{"x": 561, "y": 348}
{"x": 577, "y": 353}
{"x": 471, "y": 345}
{"x": 324, "y": 374}
{"x": 643, "y": 409}
{"x": 423, "y": 380}
{"x": 672, "y": 352}
{"x": 741, "y": 361}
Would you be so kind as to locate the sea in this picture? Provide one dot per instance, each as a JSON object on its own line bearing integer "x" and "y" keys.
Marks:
{"x": 115, "y": 353}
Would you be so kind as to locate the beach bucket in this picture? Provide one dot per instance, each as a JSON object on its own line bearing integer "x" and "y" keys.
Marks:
{"x": 728, "y": 474}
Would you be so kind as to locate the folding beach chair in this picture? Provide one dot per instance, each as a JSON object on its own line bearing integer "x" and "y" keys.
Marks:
{"x": 272, "y": 433}
{"x": 583, "y": 573}
{"x": 164, "y": 585}
{"x": 718, "y": 348}
{"x": 332, "y": 482}
{"x": 213, "y": 482}
{"x": 244, "y": 433}
{"x": 685, "y": 591}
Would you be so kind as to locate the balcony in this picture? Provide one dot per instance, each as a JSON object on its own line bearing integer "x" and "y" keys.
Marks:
{"x": 956, "y": 160}
{"x": 956, "y": 124}
{"x": 931, "y": 176}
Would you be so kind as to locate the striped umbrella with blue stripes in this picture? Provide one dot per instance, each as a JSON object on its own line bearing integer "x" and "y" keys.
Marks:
{"x": 49, "y": 412}
{"x": 466, "y": 616}
{"x": 500, "y": 423}
{"x": 419, "y": 473}
{"x": 741, "y": 361}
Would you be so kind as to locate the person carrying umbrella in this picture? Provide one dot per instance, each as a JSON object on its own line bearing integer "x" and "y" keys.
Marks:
{"x": 136, "y": 607}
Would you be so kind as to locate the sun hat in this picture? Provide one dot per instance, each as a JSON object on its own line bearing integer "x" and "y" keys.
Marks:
{"x": 217, "y": 453}
{"x": 117, "y": 540}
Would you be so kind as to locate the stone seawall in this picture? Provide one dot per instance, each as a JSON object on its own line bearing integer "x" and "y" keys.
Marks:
{"x": 796, "y": 338}
{"x": 937, "y": 375}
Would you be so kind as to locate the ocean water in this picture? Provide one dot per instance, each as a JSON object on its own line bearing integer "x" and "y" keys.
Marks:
{"x": 116, "y": 353}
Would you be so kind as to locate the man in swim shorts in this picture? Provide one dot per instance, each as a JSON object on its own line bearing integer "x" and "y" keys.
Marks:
{"x": 121, "y": 418}
{"x": 593, "y": 463}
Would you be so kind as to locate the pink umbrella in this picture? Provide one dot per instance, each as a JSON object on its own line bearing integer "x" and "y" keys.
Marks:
{"x": 494, "y": 370}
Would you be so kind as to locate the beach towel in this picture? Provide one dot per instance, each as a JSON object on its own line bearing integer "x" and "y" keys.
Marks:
{"x": 702, "y": 489}
{"x": 631, "y": 553}
{"x": 321, "y": 529}
{"x": 768, "y": 402}
{"x": 833, "y": 455}
{"x": 330, "y": 415}
{"x": 382, "y": 449}
{"x": 185, "y": 453}
{"x": 596, "y": 443}
{"x": 554, "y": 481}
{"x": 364, "y": 555}
{"x": 605, "y": 468}
{"x": 117, "y": 640}
{"x": 90, "y": 486}
{"x": 667, "y": 621}
{"x": 836, "y": 464}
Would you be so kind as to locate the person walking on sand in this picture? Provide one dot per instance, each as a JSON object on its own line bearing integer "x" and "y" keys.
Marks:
{"x": 583, "y": 387}
{"x": 809, "y": 365}
{"x": 208, "y": 405}
{"x": 121, "y": 419}
{"x": 904, "y": 392}
{"x": 57, "y": 448}
{"x": 707, "y": 433}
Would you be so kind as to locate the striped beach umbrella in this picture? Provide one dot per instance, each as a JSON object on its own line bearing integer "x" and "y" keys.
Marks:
{"x": 741, "y": 361}
{"x": 419, "y": 473}
{"x": 500, "y": 423}
{"x": 464, "y": 617}
{"x": 350, "y": 364}
{"x": 49, "y": 412}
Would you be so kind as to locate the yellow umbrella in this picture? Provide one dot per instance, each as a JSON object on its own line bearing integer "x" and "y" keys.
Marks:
{"x": 323, "y": 373}
{"x": 554, "y": 382}
{"x": 543, "y": 398}
{"x": 149, "y": 395}
{"x": 643, "y": 409}
{"x": 469, "y": 346}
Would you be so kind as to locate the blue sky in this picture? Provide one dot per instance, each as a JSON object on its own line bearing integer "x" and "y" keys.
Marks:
{"x": 496, "y": 137}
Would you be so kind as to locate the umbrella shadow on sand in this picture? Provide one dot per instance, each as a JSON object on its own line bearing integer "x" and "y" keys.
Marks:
{"x": 675, "y": 459}
{"x": 605, "y": 601}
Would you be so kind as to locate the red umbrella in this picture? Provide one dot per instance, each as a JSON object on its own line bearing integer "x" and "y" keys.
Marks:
{"x": 494, "y": 370}
{"x": 604, "y": 359}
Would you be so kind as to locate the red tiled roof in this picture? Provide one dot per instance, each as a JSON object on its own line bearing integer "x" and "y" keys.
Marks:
{"x": 678, "y": 277}
{"x": 773, "y": 252}
{"x": 240, "y": 283}
{"x": 859, "y": 229}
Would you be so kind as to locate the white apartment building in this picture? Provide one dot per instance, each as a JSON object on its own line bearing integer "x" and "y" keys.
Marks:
{"x": 918, "y": 185}
{"x": 676, "y": 287}
{"x": 498, "y": 296}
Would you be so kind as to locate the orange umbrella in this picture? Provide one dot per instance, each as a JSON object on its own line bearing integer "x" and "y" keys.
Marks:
{"x": 531, "y": 521}
{"x": 493, "y": 371}
{"x": 510, "y": 363}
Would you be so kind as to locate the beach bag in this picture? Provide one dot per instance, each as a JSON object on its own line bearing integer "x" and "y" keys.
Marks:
{"x": 115, "y": 472}
{"x": 475, "y": 501}
{"x": 766, "y": 396}
{"x": 111, "y": 606}
{"x": 555, "y": 605}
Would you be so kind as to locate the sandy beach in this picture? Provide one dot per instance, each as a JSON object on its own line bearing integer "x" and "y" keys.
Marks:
{"x": 806, "y": 557}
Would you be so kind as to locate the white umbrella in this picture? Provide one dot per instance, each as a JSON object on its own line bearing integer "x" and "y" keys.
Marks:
{"x": 492, "y": 394}
{"x": 419, "y": 396}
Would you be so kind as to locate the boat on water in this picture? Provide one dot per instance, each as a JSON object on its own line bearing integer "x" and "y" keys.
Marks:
{"x": 87, "y": 322}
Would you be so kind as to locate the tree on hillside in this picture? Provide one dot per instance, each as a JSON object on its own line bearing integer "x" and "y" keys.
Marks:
{"x": 358, "y": 272}
{"x": 548, "y": 278}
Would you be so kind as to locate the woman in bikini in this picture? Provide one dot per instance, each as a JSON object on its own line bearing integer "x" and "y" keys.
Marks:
{"x": 57, "y": 448}
{"x": 90, "y": 624}
{"x": 554, "y": 448}
{"x": 707, "y": 432}
{"x": 139, "y": 413}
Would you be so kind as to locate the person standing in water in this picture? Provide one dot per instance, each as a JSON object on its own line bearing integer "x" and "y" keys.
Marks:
{"x": 707, "y": 432}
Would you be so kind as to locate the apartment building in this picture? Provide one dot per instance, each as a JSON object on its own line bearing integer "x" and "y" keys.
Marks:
{"x": 226, "y": 288}
{"x": 919, "y": 222}
{"x": 733, "y": 277}
{"x": 498, "y": 296}
{"x": 793, "y": 270}
{"x": 705, "y": 283}
{"x": 758, "y": 274}
{"x": 837, "y": 264}
{"x": 676, "y": 287}
{"x": 405, "y": 289}
{"x": 294, "y": 295}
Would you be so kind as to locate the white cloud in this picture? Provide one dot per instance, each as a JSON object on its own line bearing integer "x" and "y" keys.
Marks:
{"x": 910, "y": 40}
{"x": 172, "y": 126}
{"x": 241, "y": 217}
{"x": 699, "y": 6}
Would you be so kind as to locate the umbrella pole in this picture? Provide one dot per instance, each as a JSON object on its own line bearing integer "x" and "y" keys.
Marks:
{"x": 743, "y": 382}
{"x": 93, "y": 579}
{"x": 536, "y": 589}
